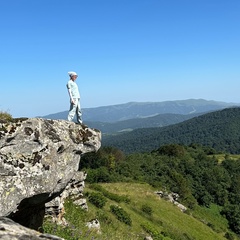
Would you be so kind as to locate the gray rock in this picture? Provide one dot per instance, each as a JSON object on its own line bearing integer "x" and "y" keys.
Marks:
{"x": 94, "y": 225}
{"x": 38, "y": 159}
{"x": 173, "y": 198}
{"x": 10, "y": 230}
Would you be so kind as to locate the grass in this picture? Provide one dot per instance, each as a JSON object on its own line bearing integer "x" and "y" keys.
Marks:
{"x": 211, "y": 217}
{"x": 5, "y": 117}
{"x": 165, "y": 222}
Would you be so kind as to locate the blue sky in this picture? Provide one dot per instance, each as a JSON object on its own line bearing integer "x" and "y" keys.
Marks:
{"x": 122, "y": 50}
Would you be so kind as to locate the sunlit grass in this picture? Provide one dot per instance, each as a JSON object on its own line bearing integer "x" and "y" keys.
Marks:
{"x": 211, "y": 216}
{"x": 166, "y": 217}
{"x": 5, "y": 116}
{"x": 166, "y": 221}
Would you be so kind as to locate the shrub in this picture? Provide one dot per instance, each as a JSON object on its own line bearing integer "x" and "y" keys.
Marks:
{"x": 109, "y": 195}
{"x": 155, "y": 234}
{"x": 229, "y": 236}
{"x": 64, "y": 232}
{"x": 147, "y": 209}
{"x": 98, "y": 175}
{"x": 103, "y": 217}
{"x": 97, "y": 199}
{"x": 5, "y": 117}
{"x": 121, "y": 214}
{"x": 232, "y": 213}
{"x": 172, "y": 150}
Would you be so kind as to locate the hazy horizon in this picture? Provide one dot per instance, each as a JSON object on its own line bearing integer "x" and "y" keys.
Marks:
{"x": 234, "y": 104}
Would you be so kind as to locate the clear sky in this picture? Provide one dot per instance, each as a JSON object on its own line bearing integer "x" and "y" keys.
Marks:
{"x": 122, "y": 50}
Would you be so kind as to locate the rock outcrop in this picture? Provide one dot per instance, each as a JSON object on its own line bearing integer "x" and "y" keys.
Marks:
{"x": 10, "y": 230}
{"x": 173, "y": 198}
{"x": 39, "y": 160}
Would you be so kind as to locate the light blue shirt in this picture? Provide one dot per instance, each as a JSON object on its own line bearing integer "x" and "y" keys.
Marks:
{"x": 73, "y": 87}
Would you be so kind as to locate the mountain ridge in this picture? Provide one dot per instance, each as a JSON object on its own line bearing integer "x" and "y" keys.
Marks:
{"x": 160, "y": 120}
{"x": 130, "y": 110}
{"x": 219, "y": 130}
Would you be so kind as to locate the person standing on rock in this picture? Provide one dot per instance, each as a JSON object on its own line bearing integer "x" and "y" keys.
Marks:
{"x": 74, "y": 98}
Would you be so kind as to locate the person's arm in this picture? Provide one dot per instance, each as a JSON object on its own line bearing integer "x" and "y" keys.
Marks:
{"x": 70, "y": 93}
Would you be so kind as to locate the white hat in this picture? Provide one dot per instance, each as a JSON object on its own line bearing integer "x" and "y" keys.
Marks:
{"x": 72, "y": 74}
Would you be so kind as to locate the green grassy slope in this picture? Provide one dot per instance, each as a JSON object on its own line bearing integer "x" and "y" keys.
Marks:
{"x": 166, "y": 221}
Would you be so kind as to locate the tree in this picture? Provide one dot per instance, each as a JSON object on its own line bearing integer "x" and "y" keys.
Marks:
{"x": 232, "y": 213}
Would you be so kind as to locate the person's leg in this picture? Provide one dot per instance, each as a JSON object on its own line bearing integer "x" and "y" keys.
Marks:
{"x": 72, "y": 111}
{"x": 79, "y": 112}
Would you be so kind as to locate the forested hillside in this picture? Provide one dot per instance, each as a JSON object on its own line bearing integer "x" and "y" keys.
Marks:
{"x": 219, "y": 130}
{"x": 160, "y": 120}
{"x": 200, "y": 177}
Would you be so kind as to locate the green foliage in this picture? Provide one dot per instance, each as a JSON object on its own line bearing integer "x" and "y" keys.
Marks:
{"x": 103, "y": 216}
{"x": 193, "y": 171}
{"x": 233, "y": 169}
{"x": 229, "y": 236}
{"x": 121, "y": 214}
{"x": 232, "y": 213}
{"x": 64, "y": 232}
{"x": 75, "y": 217}
{"x": 5, "y": 117}
{"x": 154, "y": 233}
{"x": 100, "y": 166}
{"x": 166, "y": 222}
{"x": 172, "y": 150}
{"x": 97, "y": 199}
{"x": 147, "y": 209}
{"x": 216, "y": 130}
{"x": 115, "y": 197}
{"x": 106, "y": 157}
{"x": 100, "y": 175}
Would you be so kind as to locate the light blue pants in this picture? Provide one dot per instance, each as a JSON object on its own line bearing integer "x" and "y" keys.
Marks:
{"x": 75, "y": 109}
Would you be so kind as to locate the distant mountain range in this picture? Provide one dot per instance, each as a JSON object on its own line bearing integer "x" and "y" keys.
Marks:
{"x": 219, "y": 130}
{"x": 120, "y": 112}
{"x": 133, "y": 115}
{"x": 160, "y": 120}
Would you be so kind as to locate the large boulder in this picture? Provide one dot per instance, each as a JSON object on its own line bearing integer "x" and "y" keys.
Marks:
{"x": 38, "y": 159}
{"x": 10, "y": 230}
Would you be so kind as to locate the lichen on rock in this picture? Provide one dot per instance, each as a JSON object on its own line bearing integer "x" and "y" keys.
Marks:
{"x": 38, "y": 158}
